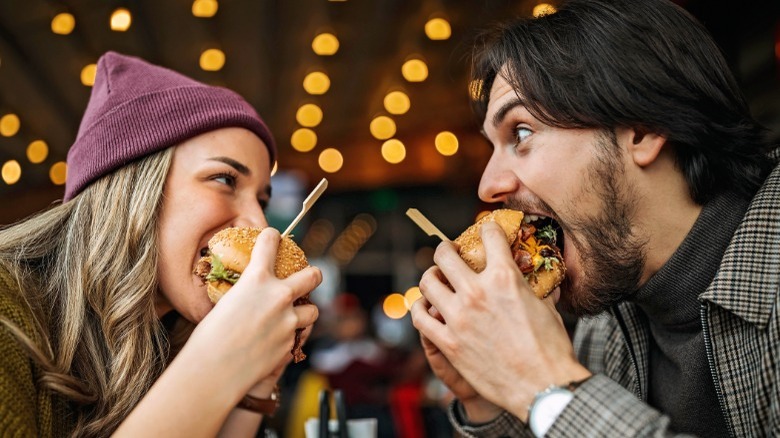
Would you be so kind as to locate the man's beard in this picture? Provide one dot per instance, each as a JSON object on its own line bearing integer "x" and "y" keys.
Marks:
{"x": 611, "y": 257}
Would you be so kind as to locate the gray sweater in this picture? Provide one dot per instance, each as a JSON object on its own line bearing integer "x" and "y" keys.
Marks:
{"x": 680, "y": 383}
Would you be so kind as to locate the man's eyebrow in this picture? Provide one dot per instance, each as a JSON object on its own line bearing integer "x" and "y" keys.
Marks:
{"x": 233, "y": 163}
{"x": 498, "y": 117}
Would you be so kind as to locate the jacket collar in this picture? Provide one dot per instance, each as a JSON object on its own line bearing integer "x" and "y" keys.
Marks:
{"x": 748, "y": 279}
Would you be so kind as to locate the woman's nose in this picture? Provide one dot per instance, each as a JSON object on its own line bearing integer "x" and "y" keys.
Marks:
{"x": 499, "y": 182}
{"x": 251, "y": 215}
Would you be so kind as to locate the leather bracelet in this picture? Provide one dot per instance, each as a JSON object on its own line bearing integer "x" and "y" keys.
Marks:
{"x": 267, "y": 406}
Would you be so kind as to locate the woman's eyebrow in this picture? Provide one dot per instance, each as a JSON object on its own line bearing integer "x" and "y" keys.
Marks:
{"x": 234, "y": 164}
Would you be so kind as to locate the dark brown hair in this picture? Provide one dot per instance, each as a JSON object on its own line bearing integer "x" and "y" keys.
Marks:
{"x": 644, "y": 64}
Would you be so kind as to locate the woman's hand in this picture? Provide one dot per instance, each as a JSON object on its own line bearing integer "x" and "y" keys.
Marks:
{"x": 250, "y": 333}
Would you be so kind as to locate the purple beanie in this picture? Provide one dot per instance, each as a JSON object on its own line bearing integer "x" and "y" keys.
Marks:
{"x": 137, "y": 109}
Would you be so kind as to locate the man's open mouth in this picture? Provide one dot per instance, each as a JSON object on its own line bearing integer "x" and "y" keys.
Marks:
{"x": 547, "y": 223}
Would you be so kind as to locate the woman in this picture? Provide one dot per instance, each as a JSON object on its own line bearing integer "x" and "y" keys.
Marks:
{"x": 98, "y": 295}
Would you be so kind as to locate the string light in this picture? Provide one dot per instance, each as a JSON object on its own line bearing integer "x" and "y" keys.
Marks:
{"x": 395, "y": 306}
{"x": 325, "y": 44}
{"x": 382, "y": 127}
{"x": 204, "y": 8}
{"x": 121, "y": 20}
{"x": 58, "y": 173}
{"x": 412, "y": 294}
{"x": 63, "y": 24}
{"x": 414, "y": 70}
{"x": 393, "y": 151}
{"x": 37, "y": 151}
{"x": 316, "y": 83}
{"x": 11, "y": 172}
{"x": 212, "y": 60}
{"x": 438, "y": 29}
{"x": 88, "y": 75}
{"x": 446, "y": 143}
{"x": 309, "y": 115}
{"x": 397, "y": 102}
{"x": 303, "y": 140}
{"x": 9, "y": 125}
{"x": 543, "y": 9}
{"x": 330, "y": 160}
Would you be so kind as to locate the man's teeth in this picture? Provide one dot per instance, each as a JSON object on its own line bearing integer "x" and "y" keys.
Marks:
{"x": 530, "y": 218}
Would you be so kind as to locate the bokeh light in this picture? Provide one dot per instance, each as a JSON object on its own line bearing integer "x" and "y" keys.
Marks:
{"x": 303, "y": 140}
{"x": 212, "y": 60}
{"x": 9, "y": 125}
{"x": 397, "y": 102}
{"x": 330, "y": 160}
{"x": 37, "y": 151}
{"x": 414, "y": 70}
{"x": 316, "y": 83}
{"x": 88, "y": 75}
{"x": 412, "y": 294}
{"x": 309, "y": 115}
{"x": 11, "y": 172}
{"x": 395, "y": 306}
{"x": 393, "y": 151}
{"x": 121, "y": 20}
{"x": 58, "y": 173}
{"x": 325, "y": 44}
{"x": 382, "y": 127}
{"x": 446, "y": 143}
{"x": 438, "y": 29}
{"x": 63, "y": 24}
{"x": 205, "y": 8}
{"x": 543, "y": 9}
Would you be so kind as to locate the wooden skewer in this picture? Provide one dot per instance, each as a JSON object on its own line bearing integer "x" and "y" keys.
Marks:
{"x": 426, "y": 225}
{"x": 307, "y": 203}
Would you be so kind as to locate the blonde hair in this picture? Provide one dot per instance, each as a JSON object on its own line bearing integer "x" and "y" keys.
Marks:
{"x": 88, "y": 271}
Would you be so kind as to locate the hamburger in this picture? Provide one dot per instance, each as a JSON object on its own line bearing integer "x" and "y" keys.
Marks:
{"x": 228, "y": 255}
{"x": 533, "y": 245}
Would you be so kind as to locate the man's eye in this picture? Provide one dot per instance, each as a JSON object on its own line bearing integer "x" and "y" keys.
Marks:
{"x": 521, "y": 133}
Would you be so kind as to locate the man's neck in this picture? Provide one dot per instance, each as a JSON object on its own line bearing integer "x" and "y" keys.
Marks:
{"x": 665, "y": 212}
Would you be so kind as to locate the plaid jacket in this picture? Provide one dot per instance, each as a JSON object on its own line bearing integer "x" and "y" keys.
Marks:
{"x": 740, "y": 314}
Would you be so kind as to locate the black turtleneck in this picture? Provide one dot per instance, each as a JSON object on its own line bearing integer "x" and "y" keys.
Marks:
{"x": 680, "y": 383}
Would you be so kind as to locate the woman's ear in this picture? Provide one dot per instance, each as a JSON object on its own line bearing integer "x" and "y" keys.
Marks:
{"x": 644, "y": 147}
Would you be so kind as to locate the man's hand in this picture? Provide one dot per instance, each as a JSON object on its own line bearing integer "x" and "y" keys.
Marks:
{"x": 477, "y": 408}
{"x": 506, "y": 343}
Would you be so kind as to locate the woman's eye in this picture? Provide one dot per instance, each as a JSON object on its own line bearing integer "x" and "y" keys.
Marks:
{"x": 228, "y": 180}
{"x": 521, "y": 133}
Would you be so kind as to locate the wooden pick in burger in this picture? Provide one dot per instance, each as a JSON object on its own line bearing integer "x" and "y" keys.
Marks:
{"x": 426, "y": 225}
{"x": 307, "y": 203}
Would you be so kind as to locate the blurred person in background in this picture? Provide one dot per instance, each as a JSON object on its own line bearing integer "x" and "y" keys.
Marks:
{"x": 620, "y": 121}
{"x": 104, "y": 327}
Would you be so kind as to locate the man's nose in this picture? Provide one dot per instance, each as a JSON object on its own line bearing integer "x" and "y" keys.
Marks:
{"x": 498, "y": 181}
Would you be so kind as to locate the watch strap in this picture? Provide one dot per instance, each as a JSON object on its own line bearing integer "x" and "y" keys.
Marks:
{"x": 267, "y": 406}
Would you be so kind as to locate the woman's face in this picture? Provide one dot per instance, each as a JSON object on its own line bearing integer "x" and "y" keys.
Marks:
{"x": 218, "y": 179}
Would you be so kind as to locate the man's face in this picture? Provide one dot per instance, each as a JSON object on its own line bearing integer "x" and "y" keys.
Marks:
{"x": 577, "y": 178}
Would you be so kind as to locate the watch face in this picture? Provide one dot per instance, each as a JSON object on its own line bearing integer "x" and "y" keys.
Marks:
{"x": 546, "y": 408}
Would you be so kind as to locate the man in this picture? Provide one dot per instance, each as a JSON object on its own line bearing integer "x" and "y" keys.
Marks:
{"x": 619, "y": 120}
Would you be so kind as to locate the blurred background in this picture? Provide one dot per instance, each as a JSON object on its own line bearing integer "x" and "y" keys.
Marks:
{"x": 371, "y": 94}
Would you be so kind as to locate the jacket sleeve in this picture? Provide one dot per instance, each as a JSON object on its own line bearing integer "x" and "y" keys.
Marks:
{"x": 505, "y": 425}
{"x": 602, "y": 407}
{"x": 18, "y": 405}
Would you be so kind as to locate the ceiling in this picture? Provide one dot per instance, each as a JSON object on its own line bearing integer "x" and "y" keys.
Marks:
{"x": 268, "y": 52}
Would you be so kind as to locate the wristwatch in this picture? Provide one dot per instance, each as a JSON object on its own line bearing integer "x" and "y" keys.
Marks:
{"x": 266, "y": 406}
{"x": 548, "y": 405}
{"x": 546, "y": 408}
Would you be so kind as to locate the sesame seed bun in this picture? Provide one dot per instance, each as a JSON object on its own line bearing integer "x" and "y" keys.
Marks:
{"x": 472, "y": 251}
